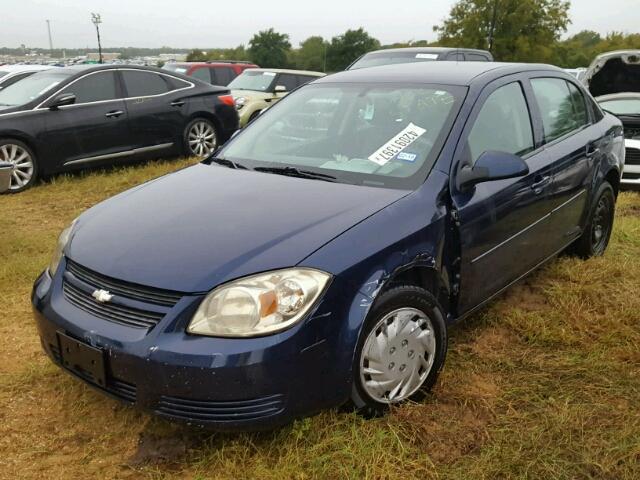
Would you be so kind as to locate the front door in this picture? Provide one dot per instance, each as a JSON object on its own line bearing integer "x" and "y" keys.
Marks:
{"x": 502, "y": 224}
{"x": 92, "y": 129}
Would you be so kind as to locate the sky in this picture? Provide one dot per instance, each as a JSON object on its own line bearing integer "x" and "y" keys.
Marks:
{"x": 205, "y": 23}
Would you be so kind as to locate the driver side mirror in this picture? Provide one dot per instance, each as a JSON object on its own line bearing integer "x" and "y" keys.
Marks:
{"x": 280, "y": 89}
{"x": 62, "y": 100}
{"x": 490, "y": 166}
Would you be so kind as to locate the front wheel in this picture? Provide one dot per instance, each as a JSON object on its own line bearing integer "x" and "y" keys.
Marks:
{"x": 401, "y": 350}
{"x": 25, "y": 169}
{"x": 200, "y": 138}
{"x": 595, "y": 238}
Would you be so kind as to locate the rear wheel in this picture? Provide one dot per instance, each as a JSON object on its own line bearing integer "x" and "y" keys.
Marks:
{"x": 25, "y": 168}
{"x": 200, "y": 138}
{"x": 401, "y": 350}
{"x": 595, "y": 238}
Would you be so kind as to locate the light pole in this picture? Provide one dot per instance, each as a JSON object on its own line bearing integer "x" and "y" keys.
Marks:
{"x": 96, "y": 20}
{"x": 492, "y": 27}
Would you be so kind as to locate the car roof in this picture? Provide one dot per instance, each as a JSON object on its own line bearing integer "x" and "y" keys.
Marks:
{"x": 74, "y": 69}
{"x": 211, "y": 62}
{"x": 284, "y": 70}
{"x": 24, "y": 68}
{"x": 426, "y": 50}
{"x": 445, "y": 73}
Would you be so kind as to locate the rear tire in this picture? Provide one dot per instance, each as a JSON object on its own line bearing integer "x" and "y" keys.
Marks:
{"x": 400, "y": 352}
{"x": 200, "y": 138}
{"x": 25, "y": 166}
{"x": 595, "y": 238}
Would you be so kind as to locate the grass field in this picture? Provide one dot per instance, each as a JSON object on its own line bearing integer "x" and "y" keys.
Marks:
{"x": 542, "y": 384}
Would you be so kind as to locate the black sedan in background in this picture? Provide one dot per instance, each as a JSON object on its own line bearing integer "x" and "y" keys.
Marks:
{"x": 89, "y": 115}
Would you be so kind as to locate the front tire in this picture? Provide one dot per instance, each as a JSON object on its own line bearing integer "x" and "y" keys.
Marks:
{"x": 595, "y": 238}
{"x": 200, "y": 138}
{"x": 25, "y": 167}
{"x": 400, "y": 352}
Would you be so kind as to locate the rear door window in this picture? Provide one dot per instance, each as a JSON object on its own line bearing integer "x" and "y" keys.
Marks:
{"x": 290, "y": 82}
{"x": 143, "y": 84}
{"x": 563, "y": 110}
{"x": 96, "y": 87}
{"x": 202, "y": 73}
{"x": 503, "y": 124}
{"x": 476, "y": 57}
{"x": 15, "y": 79}
{"x": 222, "y": 76}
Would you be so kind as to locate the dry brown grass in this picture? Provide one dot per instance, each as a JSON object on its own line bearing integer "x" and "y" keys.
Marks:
{"x": 544, "y": 383}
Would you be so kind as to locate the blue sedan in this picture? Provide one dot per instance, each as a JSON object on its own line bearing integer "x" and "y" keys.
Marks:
{"x": 319, "y": 258}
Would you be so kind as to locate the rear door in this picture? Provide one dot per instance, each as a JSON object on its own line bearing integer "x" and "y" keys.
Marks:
{"x": 503, "y": 224}
{"x": 222, "y": 75}
{"x": 157, "y": 108}
{"x": 573, "y": 144}
{"x": 92, "y": 129}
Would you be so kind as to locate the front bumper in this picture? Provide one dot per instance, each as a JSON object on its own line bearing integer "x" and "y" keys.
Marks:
{"x": 631, "y": 171}
{"x": 227, "y": 384}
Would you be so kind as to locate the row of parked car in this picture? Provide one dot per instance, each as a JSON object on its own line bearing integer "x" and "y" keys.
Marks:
{"x": 59, "y": 119}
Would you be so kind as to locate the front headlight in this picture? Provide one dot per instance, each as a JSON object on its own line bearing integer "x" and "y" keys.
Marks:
{"x": 260, "y": 304}
{"x": 240, "y": 101}
{"x": 63, "y": 239}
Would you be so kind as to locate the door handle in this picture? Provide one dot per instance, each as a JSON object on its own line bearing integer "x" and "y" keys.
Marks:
{"x": 592, "y": 150}
{"x": 540, "y": 185}
{"x": 177, "y": 103}
{"x": 115, "y": 113}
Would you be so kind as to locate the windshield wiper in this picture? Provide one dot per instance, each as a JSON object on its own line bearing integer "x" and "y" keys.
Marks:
{"x": 296, "y": 172}
{"x": 228, "y": 163}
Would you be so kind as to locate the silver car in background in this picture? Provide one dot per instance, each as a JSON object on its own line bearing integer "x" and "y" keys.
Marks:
{"x": 614, "y": 80}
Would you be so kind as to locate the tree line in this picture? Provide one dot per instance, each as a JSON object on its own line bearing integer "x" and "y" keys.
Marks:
{"x": 513, "y": 30}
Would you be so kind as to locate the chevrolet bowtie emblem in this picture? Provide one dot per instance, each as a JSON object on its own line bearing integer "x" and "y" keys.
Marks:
{"x": 102, "y": 296}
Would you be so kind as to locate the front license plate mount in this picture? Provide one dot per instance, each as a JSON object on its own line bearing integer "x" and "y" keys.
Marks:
{"x": 83, "y": 359}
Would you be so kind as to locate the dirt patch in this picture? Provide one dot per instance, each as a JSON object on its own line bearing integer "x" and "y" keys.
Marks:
{"x": 527, "y": 296}
{"x": 454, "y": 426}
{"x": 154, "y": 448}
{"x": 629, "y": 211}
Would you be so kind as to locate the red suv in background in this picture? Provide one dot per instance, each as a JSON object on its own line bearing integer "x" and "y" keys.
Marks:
{"x": 215, "y": 73}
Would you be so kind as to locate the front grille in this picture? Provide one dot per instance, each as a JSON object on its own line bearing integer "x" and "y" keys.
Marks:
{"x": 220, "y": 411}
{"x": 632, "y": 156}
{"x": 123, "y": 315}
{"x": 630, "y": 176}
{"x": 632, "y": 132}
{"x": 151, "y": 295}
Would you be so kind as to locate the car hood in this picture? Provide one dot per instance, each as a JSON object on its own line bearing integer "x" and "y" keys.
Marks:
{"x": 207, "y": 224}
{"x": 614, "y": 72}
{"x": 252, "y": 94}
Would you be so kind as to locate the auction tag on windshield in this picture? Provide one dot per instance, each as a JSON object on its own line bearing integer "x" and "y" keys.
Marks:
{"x": 269, "y": 74}
{"x": 398, "y": 143}
{"x": 430, "y": 56}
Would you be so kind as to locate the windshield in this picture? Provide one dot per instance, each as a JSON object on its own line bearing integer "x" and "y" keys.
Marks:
{"x": 251, "y": 80}
{"x": 31, "y": 88}
{"x": 376, "y": 59}
{"x": 623, "y": 106}
{"x": 174, "y": 67}
{"x": 367, "y": 134}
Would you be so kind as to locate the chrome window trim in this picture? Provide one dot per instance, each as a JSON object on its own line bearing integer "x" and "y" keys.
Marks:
{"x": 39, "y": 106}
